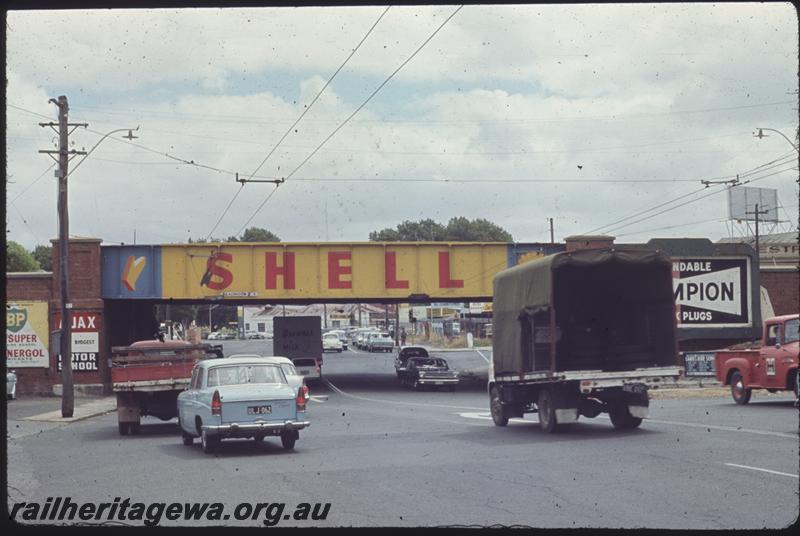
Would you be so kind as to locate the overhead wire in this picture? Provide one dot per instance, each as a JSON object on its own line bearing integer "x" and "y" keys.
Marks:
{"x": 343, "y": 123}
{"x": 699, "y": 199}
{"x": 762, "y": 167}
{"x": 302, "y": 115}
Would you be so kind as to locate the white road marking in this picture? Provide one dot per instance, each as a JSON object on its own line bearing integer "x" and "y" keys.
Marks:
{"x": 483, "y": 356}
{"x": 488, "y": 417}
{"x": 397, "y": 402}
{"x": 762, "y": 470}
{"x": 722, "y": 428}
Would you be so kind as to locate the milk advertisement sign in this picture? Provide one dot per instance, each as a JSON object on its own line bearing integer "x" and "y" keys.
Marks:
{"x": 27, "y": 334}
{"x": 712, "y": 292}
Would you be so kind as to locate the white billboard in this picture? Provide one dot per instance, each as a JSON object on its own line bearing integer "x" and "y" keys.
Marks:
{"x": 742, "y": 201}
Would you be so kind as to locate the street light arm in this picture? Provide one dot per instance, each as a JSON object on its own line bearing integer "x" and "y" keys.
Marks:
{"x": 760, "y": 135}
{"x": 98, "y": 143}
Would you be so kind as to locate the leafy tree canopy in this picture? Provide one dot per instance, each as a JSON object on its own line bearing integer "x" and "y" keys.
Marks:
{"x": 457, "y": 230}
{"x": 19, "y": 259}
{"x": 252, "y": 234}
{"x": 44, "y": 256}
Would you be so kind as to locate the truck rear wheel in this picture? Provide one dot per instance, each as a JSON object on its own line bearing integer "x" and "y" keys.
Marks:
{"x": 123, "y": 428}
{"x": 547, "y": 412}
{"x": 621, "y": 416}
{"x": 496, "y": 405}
{"x": 741, "y": 395}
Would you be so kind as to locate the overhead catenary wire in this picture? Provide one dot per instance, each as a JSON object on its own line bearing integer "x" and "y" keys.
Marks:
{"x": 701, "y": 198}
{"x": 369, "y": 98}
{"x": 210, "y": 117}
{"x": 769, "y": 165}
{"x": 305, "y": 111}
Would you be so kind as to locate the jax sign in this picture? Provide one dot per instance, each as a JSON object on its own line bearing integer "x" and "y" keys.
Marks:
{"x": 712, "y": 292}
{"x": 27, "y": 334}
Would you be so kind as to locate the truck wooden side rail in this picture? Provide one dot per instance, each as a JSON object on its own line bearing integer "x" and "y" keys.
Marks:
{"x": 148, "y": 375}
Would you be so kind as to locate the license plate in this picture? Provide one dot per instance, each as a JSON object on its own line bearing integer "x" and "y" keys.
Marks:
{"x": 438, "y": 383}
{"x": 304, "y": 373}
{"x": 259, "y": 410}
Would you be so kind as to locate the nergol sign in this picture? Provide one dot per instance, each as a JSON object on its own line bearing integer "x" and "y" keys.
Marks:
{"x": 712, "y": 292}
{"x": 305, "y": 271}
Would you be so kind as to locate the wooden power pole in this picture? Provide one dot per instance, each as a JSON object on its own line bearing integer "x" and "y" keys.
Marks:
{"x": 68, "y": 392}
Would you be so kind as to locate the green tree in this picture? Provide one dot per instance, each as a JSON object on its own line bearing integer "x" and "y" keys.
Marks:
{"x": 252, "y": 234}
{"x": 19, "y": 259}
{"x": 457, "y": 230}
{"x": 257, "y": 234}
{"x": 478, "y": 230}
{"x": 44, "y": 256}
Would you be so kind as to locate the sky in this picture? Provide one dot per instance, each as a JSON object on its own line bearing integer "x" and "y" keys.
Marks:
{"x": 605, "y": 118}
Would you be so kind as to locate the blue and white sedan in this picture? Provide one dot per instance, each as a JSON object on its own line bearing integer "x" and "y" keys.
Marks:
{"x": 241, "y": 397}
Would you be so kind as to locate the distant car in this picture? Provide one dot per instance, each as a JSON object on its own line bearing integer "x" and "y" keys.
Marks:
{"x": 309, "y": 368}
{"x": 424, "y": 371}
{"x": 404, "y": 354}
{"x": 380, "y": 342}
{"x": 331, "y": 343}
{"x": 214, "y": 336}
{"x": 240, "y": 398}
{"x": 256, "y": 335}
{"x": 11, "y": 385}
{"x": 228, "y": 335}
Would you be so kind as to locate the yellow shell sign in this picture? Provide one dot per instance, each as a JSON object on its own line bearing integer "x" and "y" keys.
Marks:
{"x": 340, "y": 271}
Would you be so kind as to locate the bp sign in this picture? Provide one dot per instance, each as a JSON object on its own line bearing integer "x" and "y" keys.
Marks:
{"x": 712, "y": 292}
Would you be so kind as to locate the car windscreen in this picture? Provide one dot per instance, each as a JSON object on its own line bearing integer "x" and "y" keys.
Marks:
{"x": 791, "y": 331}
{"x": 429, "y": 362}
{"x": 413, "y": 352}
{"x": 289, "y": 370}
{"x": 243, "y": 374}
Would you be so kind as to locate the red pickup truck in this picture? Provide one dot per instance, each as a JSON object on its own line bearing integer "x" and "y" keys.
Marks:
{"x": 148, "y": 375}
{"x": 770, "y": 364}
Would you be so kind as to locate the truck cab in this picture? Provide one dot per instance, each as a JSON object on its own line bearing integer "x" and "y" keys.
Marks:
{"x": 770, "y": 364}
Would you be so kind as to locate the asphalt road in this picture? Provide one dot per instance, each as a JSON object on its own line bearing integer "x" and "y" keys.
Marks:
{"x": 385, "y": 456}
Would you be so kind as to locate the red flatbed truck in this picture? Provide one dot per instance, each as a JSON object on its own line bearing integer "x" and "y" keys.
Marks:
{"x": 767, "y": 364}
{"x": 148, "y": 375}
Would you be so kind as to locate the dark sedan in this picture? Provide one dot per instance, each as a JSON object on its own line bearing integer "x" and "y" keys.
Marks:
{"x": 424, "y": 371}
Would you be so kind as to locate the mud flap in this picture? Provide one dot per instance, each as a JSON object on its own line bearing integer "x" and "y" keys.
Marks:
{"x": 127, "y": 408}
{"x": 565, "y": 416}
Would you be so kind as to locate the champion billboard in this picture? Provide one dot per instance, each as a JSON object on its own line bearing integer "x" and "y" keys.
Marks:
{"x": 712, "y": 292}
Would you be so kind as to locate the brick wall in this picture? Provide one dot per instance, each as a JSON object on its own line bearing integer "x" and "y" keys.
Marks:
{"x": 85, "y": 295}
{"x": 783, "y": 287}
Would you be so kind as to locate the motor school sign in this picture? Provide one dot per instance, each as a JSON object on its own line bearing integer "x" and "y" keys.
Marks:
{"x": 712, "y": 292}
{"x": 27, "y": 335}
{"x": 85, "y": 340}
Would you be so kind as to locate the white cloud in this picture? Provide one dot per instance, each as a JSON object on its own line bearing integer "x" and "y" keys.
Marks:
{"x": 514, "y": 92}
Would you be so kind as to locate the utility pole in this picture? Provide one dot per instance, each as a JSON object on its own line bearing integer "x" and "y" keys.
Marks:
{"x": 552, "y": 241}
{"x": 757, "y": 214}
{"x": 68, "y": 394}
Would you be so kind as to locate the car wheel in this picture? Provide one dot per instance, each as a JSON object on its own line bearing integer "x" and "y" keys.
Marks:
{"x": 741, "y": 395}
{"x": 621, "y": 416}
{"x": 288, "y": 439}
{"x": 123, "y": 428}
{"x": 496, "y": 405}
{"x": 547, "y": 412}
{"x": 208, "y": 442}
